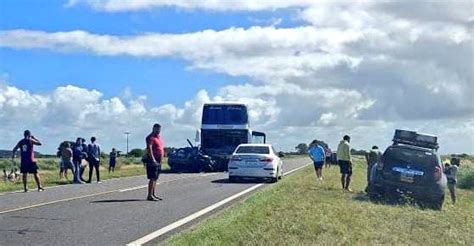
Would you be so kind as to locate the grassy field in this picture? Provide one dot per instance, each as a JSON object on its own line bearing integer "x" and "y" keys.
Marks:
{"x": 301, "y": 211}
{"x": 49, "y": 172}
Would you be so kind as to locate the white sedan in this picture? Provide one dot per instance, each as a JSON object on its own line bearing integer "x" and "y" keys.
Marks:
{"x": 255, "y": 161}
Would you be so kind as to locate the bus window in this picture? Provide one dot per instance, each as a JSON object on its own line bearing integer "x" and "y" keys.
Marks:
{"x": 225, "y": 115}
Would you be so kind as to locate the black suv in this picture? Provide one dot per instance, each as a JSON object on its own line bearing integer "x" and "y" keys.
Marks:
{"x": 410, "y": 168}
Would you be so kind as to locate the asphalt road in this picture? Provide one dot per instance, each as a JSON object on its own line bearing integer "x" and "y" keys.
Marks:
{"x": 114, "y": 212}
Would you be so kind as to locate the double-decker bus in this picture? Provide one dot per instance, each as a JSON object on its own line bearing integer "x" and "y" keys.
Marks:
{"x": 225, "y": 126}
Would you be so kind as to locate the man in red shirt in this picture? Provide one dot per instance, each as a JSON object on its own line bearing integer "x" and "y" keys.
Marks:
{"x": 155, "y": 152}
{"x": 28, "y": 162}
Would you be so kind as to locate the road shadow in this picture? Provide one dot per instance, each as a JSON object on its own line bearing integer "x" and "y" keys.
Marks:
{"x": 23, "y": 231}
{"x": 39, "y": 218}
{"x": 119, "y": 201}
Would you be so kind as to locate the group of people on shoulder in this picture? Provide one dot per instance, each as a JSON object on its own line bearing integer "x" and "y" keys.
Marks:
{"x": 321, "y": 156}
{"x": 77, "y": 156}
{"x": 73, "y": 156}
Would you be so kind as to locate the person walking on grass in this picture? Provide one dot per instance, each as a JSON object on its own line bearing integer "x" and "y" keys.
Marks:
{"x": 344, "y": 161}
{"x": 113, "y": 160}
{"x": 317, "y": 154}
{"x": 28, "y": 162}
{"x": 452, "y": 176}
{"x": 94, "y": 159}
{"x": 155, "y": 153}
{"x": 66, "y": 160}
{"x": 327, "y": 153}
{"x": 372, "y": 157}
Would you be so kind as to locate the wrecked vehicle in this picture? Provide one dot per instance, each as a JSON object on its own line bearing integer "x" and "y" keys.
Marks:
{"x": 190, "y": 159}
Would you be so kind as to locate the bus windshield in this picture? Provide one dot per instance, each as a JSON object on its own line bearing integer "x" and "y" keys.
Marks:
{"x": 225, "y": 114}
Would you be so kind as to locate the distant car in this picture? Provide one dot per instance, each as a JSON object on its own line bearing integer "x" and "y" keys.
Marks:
{"x": 410, "y": 167}
{"x": 255, "y": 161}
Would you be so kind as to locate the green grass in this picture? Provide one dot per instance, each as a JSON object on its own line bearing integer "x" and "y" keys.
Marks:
{"x": 301, "y": 211}
{"x": 49, "y": 172}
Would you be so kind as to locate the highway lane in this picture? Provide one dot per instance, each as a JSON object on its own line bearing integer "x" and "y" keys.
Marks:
{"x": 112, "y": 213}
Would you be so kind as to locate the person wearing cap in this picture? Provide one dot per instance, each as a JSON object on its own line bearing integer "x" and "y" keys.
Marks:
{"x": 28, "y": 161}
{"x": 344, "y": 161}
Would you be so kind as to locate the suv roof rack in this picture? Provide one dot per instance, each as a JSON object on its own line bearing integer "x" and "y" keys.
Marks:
{"x": 415, "y": 139}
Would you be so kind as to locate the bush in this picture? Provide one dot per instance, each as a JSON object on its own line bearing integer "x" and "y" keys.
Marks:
{"x": 136, "y": 153}
{"x": 466, "y": 178}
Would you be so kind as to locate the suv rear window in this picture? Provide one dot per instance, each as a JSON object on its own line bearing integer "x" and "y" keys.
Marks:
{"x": 253, "y": 150}
{"x": 416, "y": 158}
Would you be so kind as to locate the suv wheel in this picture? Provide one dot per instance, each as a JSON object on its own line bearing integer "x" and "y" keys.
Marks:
{"x": 437, "y": 205}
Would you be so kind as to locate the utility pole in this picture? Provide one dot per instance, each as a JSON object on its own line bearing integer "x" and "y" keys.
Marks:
{"x": 127, "y": 133}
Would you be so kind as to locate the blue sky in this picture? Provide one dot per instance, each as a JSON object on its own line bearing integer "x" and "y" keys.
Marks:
{"x": 306, "y": 69}
{"x": 43, "y": 70}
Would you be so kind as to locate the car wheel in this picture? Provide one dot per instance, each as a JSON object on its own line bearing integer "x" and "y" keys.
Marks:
{"x": 232, "y": 179}
{"x": 437, "y": 205}
{"x": 274, "y": 180}
{"x": 374, "y": 194}
{"x": 280, "y": 176}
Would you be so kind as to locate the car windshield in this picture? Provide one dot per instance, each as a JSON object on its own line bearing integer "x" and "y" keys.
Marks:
{"x": 253, "y": 150}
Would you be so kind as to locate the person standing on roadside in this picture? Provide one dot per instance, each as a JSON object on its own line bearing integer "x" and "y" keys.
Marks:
{"x": 344, "y": 161}
{"x": 84, "y": 158}
{"x": 77, "y": 155}
{"x": 28, "y": 162}
{"x": 372, "y": 157}
{"x": 452, "y": 176}
{"x": 155, "y": 154}
{"x": 113, "y": 160}
{"x": 94, "y": 159}
{"x": 317, "y": 154}
{"x": 66, "y": 159}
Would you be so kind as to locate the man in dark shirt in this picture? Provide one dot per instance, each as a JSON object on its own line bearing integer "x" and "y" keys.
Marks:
{"x": 78, "y": 154}
{"x": 28, "y": 162}
{"x": 113, "y": 160}
{"x": 94, "y": 159}
{"x": 155, "y": 154}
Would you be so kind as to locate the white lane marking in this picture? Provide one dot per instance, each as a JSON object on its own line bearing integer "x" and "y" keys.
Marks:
{"x": 67, "y": 185}
{"x": 135, "y": 188}
{"x": 56, "y": 201}
{"x": 198, "y": 214}
{"x": 90, "y": 195}
{"x": 191, "y": 217}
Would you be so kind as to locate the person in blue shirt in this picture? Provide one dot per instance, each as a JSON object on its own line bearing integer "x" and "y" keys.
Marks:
{"x": 317, "y": 154}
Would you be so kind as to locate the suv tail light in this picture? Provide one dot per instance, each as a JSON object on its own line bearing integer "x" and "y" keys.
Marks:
{"x": 236, "y": 158}
{"x": 266, "y": 159}
{"x": 438, "y": 173}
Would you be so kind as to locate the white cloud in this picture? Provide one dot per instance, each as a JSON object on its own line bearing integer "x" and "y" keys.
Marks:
{"x": 227, "y": 5}
{"x": 358, "y": 68}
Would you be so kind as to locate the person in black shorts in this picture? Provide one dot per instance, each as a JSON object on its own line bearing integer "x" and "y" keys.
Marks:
{"x": 155, "y": 154}
{"x": 28, "y": 162}
{"x": 344, "y": 161}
